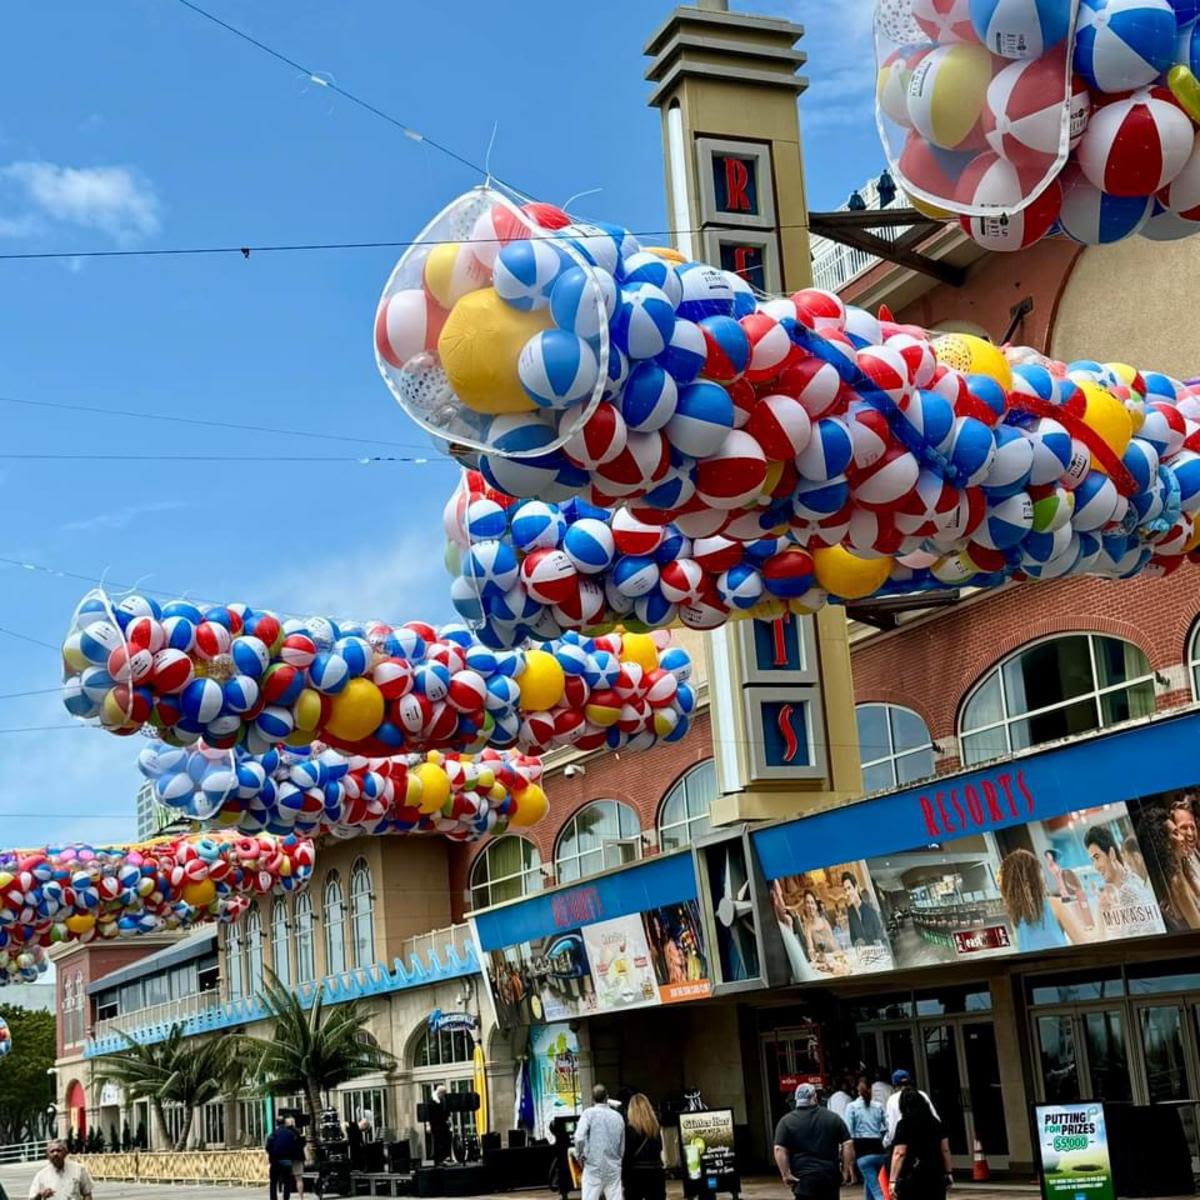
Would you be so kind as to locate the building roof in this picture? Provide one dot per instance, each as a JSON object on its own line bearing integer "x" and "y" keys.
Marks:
{"x": 197, "y": 945}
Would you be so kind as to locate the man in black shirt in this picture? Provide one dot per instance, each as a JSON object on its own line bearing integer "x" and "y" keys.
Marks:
{"x": 284, "y": 1149}
{"x": 813, "y": 1150}
{"x": 866, "y": 929}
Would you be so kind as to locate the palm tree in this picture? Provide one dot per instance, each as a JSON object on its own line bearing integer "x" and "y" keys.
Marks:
{"x": 178, "y": 1070}
{"x": 312, "y": 1050}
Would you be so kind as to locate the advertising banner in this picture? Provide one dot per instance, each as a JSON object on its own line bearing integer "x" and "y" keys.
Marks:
{"x": 942, "y": 903}
{"x": 675, "y": 938}
{"x": 554, "y": 1074}
{"x": 830, "y": 922}
{"x": 1072, "y": 1147}
{"x": 706, "y": 1141}
{"x": 540, "y": 981}
{"x": 622, "y": 971}
{"x": 1164, "y": 849}
{"x": 1072, "y": 880}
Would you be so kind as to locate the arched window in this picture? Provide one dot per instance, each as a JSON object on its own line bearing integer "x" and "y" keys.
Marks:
{"x": 1194, "y": 660}
{"x": 254, "y": 952}
{"x": 684, "y": 812}
{"x": 603, "y": 834}
{"x": 894, "y": 745}
{"x": 1055, "y": 689}
{"x": 233, "y": 961}
{"x": 508, "y": 868}
{"x": 335, "y": 926}
{"x": 443, "y": 1049}
{"x": 306, "y": 966}
{"x": 281, "y": 949}
{"x": 362, "y": 919}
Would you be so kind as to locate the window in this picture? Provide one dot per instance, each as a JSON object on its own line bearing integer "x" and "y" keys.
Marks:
{"x": 444, "y": 1048}
{"x": 894, "y": 745}
{"x": 214, "y": 1123}
{"x": 250, "y": 1122}
{"x": 281, "y": 949}
{"x": 684, "y": 813}
{"x": 1194, "y": 660}
{"x": 233, "y": 962}
{"x": 508, "y": 868}
{"x": 74, "y": 1002}
{"x": 306, "y": 967}
{"x": 362, "y": 921}
{"x": 254, "y": 952}
{"x": 371, "y": 1102}
{"x": 335, "y": 926}
{"x": 600, "y": 835}
{"x": 1055, "y": 689}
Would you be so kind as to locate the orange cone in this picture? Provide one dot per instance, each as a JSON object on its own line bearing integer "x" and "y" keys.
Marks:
{"x": 980, "y": 1171}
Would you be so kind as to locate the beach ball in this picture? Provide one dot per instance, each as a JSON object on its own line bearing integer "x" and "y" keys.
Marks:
{"x": 887, "y": 479}
{"x": 685, "y": 353}
{"x": 632, "y": 536}
{"x": 788, "y": 574}
{"x": 1052, "y": 448}
{"x": 944, "y": 21}
{"x": 1107, "y": 417}
{"x": 1035, "y": 381}
{"x": 356, "y": 712}
{"x": 815, "y": 383}
{"x": 971, "y": 449}
{"x": 1164, "y": 427}
{"x": 649, "y": 397}
{"x": 1123, "y": 44}
{"x": 829, "y": 450}
{"x": 1182, "y": 195}
{"x": 1162, "y": 225}
{"x": 548, "y": 575}
{"x": 484, "y": 519}
{"x": 1011, "y": 467}
{"x": 557, "y": 369}
{"x": 582, "y": 301}
{"x": 745, "y": 301}
{"x": 1022, "y": 119}
{"x": 704, "y": 292}
{"x": 644, "y": 267}
{"x": 1052, "y": 508}
{"x": 820, "y": 310}
{"x": 780, "y": 425}
{"x": 681, "y": 581}
{"x": 1186, "y": 467}
{"x": 201, "y": 700}
{"x": 526, "y": 271}
{"x": 947, "y": 92}
{"x": 727, "y": 348}
{"x": 992, "y": 182}
{"x": 634, "y": 575}
{"x": 491, "y": 566}
{"x": 740, "y": 587}
{"x": 1006, "y": 522}
{"x": 1096, "y": 218}
{"x": 532, "y": 476}
{"x": 452, "y": 271}
{"x": 771, "y": 346}
{"x": 407, "y": 323}
{"x": 172, "y": 671}
{"x": 599, "y": 439}
{"x": 973, "y": 355}
{"x": 891, "y": 83}
{"x": 479, "y": 347}
{"x": 703, "y": 415}
{"x": 1096, "y": 501}
{"x": 536, "y": 524}
{"x": 931, "y": 171}
{"x": 1023, "y": 29}
{"x": 1136, "y": 145}
{"x": 733, "y": 474}
{"x": 846, "y": 575}
{"x": 643, "y": 321}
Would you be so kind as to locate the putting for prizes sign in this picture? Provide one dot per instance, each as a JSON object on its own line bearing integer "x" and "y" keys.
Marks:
{"x": 1073, "y": 1147}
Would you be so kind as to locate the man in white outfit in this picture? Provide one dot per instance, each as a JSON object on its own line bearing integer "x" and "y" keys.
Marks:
{"x": 600, "y": 1147}
{"x": 901, "y": 1079}
{"x": 60, "y": 1179}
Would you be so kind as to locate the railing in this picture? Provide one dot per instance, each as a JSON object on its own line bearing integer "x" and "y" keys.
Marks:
{"x": 23, "y": 1152}
{"x": 834, "y": 265}
{"x": 425, "y": 958}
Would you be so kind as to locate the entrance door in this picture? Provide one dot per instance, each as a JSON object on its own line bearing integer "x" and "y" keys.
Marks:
{"x": 1084, "y": 1053}
{"x": 790, "y": 1057}
{"x": 962, "y": 1076}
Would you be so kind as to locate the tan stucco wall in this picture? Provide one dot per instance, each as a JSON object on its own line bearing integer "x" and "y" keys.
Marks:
{"x": 1133, "y": 302}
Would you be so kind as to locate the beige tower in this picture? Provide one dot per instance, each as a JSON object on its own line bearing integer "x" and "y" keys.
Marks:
{"x": 726, "y": 84}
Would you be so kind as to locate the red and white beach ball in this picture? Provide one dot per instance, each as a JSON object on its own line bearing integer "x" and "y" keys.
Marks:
{"x": 891, "y": 476}
{"x": 995, "y": 183}
{"x": 945, "y": 21}
{"x": 1182, "y": 195}
{"x": 734, "y": 475}
{"x": 1136, "y": 145}
{"x": 1022, "y": 119}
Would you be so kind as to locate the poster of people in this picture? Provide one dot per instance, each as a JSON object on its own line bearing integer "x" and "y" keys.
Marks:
{"x": 1076, "y": 879}
{"x": 1073, "y": 1148}
{"x": 675, "y": 939}
{"x": 554, "y": 1074}
{"x": 830, "y": 923}
{"x": 622, "y": 971}
{"x": 544, "y": 980}
{"x": 1164, "y": 848}
{"x": 942, "y": 903}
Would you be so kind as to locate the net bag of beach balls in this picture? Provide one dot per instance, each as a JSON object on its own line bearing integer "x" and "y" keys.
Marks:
{"x": 1028, "y": 118}
{"x": 493, "y": 329}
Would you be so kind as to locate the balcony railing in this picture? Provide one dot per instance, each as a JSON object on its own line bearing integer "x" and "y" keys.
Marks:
{"x": 834, "y": 265}
{"x": 425, "y": 958}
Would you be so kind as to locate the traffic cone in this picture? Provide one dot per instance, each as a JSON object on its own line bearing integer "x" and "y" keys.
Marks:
{"x": 980, "y": 1171}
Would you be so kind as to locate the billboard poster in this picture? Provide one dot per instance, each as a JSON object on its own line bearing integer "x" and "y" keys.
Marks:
{"x": 830, "y": 922}
{"x": 554, "y": 1074}
{"x": 543, "y": 980}
{"x": 1074, "y": 880}
{"x": 621, "y": 967}
{"x": 1164, "y": 850}
{"x": 1072, "y": 1145}
{"x": 706, "y": 1141}
{"x": 675, "y": 939}
{"x": 942, "y": 903}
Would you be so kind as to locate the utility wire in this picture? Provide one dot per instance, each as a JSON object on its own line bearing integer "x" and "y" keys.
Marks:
{"x": 35, "y": 692}
{"x": 24, "y": 637}
{"x": 222, "y": 458}
{"x": 153, "y": 416}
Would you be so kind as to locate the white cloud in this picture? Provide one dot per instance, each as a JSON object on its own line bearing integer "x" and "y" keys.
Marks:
{"x": 118, "y": 201}
{"x": 121, "y": 517}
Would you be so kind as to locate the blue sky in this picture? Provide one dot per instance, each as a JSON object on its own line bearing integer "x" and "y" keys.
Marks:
{"x": 140, "y": 125}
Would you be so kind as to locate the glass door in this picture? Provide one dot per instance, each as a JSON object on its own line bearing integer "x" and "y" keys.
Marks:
{"x": 1057, "y": 1059}
{"x": 985, "y": 1107}
{"x": 944, "y": 1078}
{"x": 1169, "y": 1059}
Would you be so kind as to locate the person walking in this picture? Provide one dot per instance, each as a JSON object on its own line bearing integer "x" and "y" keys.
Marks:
{"x": 600, "y": 1147}
{"x": 921, "y": 1165}
{"x": 813, "y": 1150}
{"x": 902, "y": 1082}
{"x": 866, "y": 1121}
{"x": 645, "y": 1178}
{"x": 839, "y": 1100}
{"x": 61, "y": 1179}
{"x": 298, "y": 1165}
{"x": 284, "y": 1150}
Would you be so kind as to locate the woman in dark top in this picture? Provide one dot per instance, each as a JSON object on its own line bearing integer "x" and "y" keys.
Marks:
{"x": 921, "y": 1165}
{"x": 643, "y": 1174}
